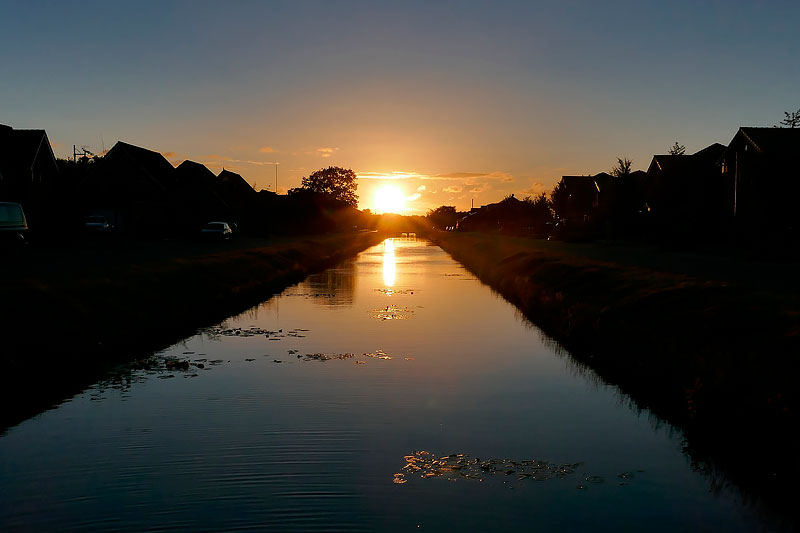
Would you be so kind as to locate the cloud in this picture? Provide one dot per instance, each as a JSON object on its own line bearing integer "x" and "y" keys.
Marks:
{"x": 415, "y": 196}
{"x": 168, "y": 154}
{"x": 458, "y": 175}
{"x": 266, "y": 150}
{"x": 396, "y": 175}
{"x": 326, "y": 151}
{"x": 471, "y": 177}
{"x": 535, "y": 189}
{"x": 214, "y": 158}
{"x": 453, "y": 189}
{"x": 421, "y": 188}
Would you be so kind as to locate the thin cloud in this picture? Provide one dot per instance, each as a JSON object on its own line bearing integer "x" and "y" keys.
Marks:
{"x": 396, "y": 175}
{"x": 502, "y": 176}
{"x": 535, "y": 189}
{"x": 213, "y": 158}
{"x": 458, "y": 175}
{"x": 415, "y": 196}
{"x": 168, "y": 154}
{"x": 421, "y": 188}
{"x": 453, "y": 189}
{"x": 326, "y": 151}
{"x": 266, "y": 150}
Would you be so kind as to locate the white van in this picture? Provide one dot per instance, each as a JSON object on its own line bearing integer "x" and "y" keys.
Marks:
{"x": 13, "y": 225}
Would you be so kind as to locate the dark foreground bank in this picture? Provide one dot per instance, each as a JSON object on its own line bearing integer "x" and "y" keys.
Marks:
{"x": 712, "y": 354}
{"x": 67, "y": 316}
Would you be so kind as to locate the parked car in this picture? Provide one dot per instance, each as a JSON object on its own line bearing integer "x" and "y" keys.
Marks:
{"x": 216, "y": 231}
{"x": 97, "y": 224}
{"x": 13, "y": 224}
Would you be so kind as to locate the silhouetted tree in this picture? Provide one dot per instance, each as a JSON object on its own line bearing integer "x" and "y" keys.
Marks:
{"x": 677, "y": 149}
{"x": 622, "y": 168}
{"x": 558, "y": 199}
{"x": 792, "y": 120}
{"x": 539, "y": 211}
{"x": 444, "y": 216}
{"x": 339, "y": 183}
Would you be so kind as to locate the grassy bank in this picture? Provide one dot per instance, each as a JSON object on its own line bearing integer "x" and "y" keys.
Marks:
{"x": 712, "y": 354}
{"x": 68, "y": 315}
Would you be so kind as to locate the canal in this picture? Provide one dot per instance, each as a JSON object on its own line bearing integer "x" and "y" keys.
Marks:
{"x": 394, "y": 392}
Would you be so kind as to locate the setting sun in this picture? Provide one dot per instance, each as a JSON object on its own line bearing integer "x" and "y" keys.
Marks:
{"x": 389, "y": 199}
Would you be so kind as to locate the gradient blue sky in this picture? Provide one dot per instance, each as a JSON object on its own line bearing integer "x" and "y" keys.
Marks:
{"x": 452, "y": 100}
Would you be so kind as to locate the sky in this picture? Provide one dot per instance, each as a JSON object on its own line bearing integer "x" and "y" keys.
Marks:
{"x": 452, "y": 102}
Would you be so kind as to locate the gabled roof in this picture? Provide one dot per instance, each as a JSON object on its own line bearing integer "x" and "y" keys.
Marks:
{"x": 231, "y": 181}
{"x": 587, "y": 184}
{"x": 153, "y": 164}
{"x": 190, "y": 172}
{"x": 701, "y": 161}
{"x": 777, "y": 141}
{"x": 20, "y": 148}
{"x": 711, "y": 153}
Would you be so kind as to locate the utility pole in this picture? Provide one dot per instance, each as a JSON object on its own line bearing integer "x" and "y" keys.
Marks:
{"x": 276, "y": 178}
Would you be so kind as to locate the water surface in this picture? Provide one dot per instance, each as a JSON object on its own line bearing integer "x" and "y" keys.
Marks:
{"x": 333, "y": 407}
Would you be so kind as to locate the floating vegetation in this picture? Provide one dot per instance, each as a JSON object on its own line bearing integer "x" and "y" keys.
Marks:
{"x": 360, "y": 362}
{"x": 324, "y": 356}
{"x": 461, "y": 466}
{"x": 311, "y": 294}
{"x": 391, "y": 312}
{"x": 252, "y": 331}
{"x": 379, "y": 354}
{"x": 389, "y": 291}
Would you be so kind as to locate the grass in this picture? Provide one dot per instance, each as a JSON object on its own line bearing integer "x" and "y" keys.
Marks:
{"x": 68, "y": 315}
{"x": 712, "y": 354}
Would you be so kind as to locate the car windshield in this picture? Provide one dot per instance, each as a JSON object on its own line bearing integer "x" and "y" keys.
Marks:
{"x": 11, "y": 214}
{"x": 216, "y": 226}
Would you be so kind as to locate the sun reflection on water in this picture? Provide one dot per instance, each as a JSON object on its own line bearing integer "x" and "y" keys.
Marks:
{"x": 389, "y": 263}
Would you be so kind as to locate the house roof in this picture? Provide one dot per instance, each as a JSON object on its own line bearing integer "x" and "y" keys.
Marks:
{"x": 190, "y": 172}
{"x": 702, "y": 161}
{"x": 20, "y": 148}
{"x": 231, "y": 181}
{"x": 153, "y": 164}
{"x": 711, "y": 153}
{"x": 584, "y": 184}
{"x": 772, "y": 140}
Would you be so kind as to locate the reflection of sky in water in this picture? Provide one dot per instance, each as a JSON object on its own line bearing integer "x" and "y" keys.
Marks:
{"x": 314, "y": 441}
{"x": 389, "y": 263}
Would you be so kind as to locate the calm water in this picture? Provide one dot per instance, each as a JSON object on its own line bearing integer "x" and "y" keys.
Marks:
{"x": 317, "y": 413}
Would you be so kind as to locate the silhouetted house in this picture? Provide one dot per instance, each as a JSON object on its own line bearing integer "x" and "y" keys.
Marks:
{"x": 687, "y": 194}
{"x": 28, "y": 171}
{"x": 507, "y": 215}
{"x": 582, "y": 195}
{"x": 237, "y": 193}
{"x": 133, "y": 188}
{"x": 195, "y": 200}
{"x": 587, "y": 196}
{"x": 761, "y": 167}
